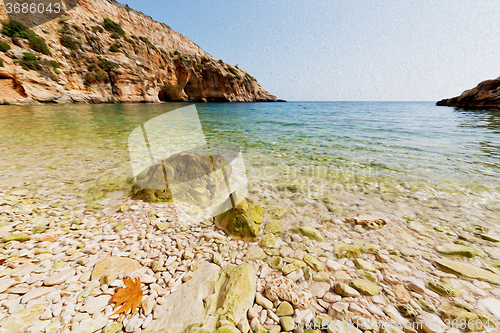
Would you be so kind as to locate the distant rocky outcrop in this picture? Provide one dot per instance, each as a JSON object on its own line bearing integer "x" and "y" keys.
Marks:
{"x": 485, "y": 95}
{"x": 103, "y": 52}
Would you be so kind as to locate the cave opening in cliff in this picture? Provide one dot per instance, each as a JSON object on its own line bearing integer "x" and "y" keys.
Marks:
{"x": 167, "y": 94}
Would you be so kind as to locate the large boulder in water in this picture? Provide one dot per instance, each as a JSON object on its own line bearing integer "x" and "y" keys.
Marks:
{"x": 189, "y": 177}
{"x": 243, "y": 220}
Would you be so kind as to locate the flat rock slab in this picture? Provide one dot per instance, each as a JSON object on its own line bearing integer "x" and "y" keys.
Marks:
{"x": 24, "y": 319}
{"x": 467, "y": 270}
{"x": 114, "y": 265}
{"x": 185, "y": 306}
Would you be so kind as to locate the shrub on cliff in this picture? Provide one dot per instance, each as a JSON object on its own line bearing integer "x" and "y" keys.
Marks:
{"x": 12, "y": 27}
{"x": 112, "y": 26}
{"x": 19, "y": 30}
{"x": 4, "y": 46}
{"x": 115, "y": 48}
{"x": 68, "y": 42}
{"x": 1, "y": 62}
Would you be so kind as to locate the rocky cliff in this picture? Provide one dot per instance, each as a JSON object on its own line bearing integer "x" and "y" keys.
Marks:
{"x": 100, "y": 51}
{"x": 485, "y": 95}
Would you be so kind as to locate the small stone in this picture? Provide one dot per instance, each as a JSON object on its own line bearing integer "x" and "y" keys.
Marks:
{"x": 431, "y": 323}
{"x": 162, "y": 226}
{"x": 311, "y": 233}
{"x": 20, "y": 237}
{"x": 467, "y": 270}
{"x": 268, "y": 240}
{"x": 38, "y": 229}
{"x": 407, "y": 310}
{"x": 287, "y": 269}
{"x": 321, "y": 276}
{"x": 459, "y": 250}
{"x": 134, "y": 324}
{"x": 331, "y": 297}
{"x": 442, "y": 288}
{"x": 274, "y": 227}
{"x": 275, "y": 262}
{"x": 345, "y": 291}
{"x": 59, "y": 278}
{"x": 319, "y": 289}
{"x": 113, "y": 328}
{"x": 264, "y": 302}
{"x": 256, "y": 253}
{"x": 417, "y": 286}
{"x": 366, "y": 287}
{"x": 287, "y": 324}
{"x": 97, "y": 304}
{"x": 363, "y": 264}
{"x": 313, "y": 262}
{"x": 284, "y": 309}
{"x": 285, "y": 289}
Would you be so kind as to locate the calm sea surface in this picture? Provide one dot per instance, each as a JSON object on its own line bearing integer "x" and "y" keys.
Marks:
{"x": 403, "y": 157}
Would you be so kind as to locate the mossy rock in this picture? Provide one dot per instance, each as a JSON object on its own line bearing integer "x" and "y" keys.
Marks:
{"x": 243, "y": 221}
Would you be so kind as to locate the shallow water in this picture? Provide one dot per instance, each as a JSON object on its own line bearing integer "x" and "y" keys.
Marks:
{"x": 404, "y": 160}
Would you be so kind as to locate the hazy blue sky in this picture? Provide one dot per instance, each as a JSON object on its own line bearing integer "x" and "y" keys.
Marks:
{"x": 346, "y": 49}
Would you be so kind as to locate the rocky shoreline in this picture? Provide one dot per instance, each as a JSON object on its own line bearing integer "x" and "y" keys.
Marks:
{"x": 61, "y": 266}
{"x": 486, "y": 95}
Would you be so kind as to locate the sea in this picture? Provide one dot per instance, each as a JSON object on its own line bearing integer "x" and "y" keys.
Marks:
{"x": 404, "y": 161}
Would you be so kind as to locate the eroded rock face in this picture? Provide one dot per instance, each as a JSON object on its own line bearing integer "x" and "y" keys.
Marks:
{"x": 150, "y": 63}
{"x": 485, "y": 95}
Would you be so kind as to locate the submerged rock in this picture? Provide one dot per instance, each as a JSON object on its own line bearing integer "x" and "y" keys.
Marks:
{"x": 242, "y": 221}
{"x": 189, "y": 176}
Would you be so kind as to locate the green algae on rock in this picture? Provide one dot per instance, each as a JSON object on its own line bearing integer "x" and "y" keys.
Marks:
{"x": 242, "y": 221}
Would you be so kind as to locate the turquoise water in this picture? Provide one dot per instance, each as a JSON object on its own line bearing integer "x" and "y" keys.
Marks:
{"x": 404, "y": 154}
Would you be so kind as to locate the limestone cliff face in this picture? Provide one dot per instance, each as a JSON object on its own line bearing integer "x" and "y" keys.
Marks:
{"x": 136, "y": 60}
{"x": 485, "y": 95}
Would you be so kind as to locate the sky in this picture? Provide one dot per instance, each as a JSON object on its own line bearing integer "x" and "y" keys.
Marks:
{"x": 331, "y": 50}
